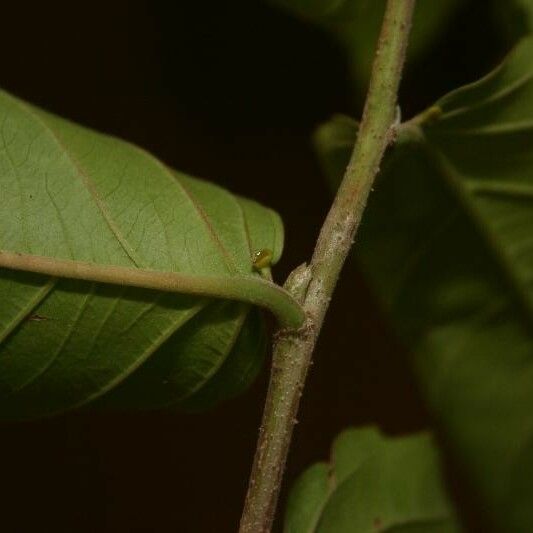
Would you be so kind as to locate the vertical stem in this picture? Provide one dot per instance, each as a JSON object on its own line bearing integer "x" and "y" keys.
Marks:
{"x": 293, "y": 349}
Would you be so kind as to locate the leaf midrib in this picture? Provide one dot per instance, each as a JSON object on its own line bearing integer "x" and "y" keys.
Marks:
{"x": 250, "y": 288}
{"x": 502, "y": 93}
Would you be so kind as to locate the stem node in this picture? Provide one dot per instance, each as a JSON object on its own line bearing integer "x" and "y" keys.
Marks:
{"x": 313, "y": 285}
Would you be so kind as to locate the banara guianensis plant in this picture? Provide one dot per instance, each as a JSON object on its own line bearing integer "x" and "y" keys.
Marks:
{"x": 125, "y": 284}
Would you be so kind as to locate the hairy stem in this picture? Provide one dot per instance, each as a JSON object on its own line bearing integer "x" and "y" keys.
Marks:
{"x": 293, "y": 348}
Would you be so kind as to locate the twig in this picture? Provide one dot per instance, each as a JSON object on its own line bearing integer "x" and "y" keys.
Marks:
{"x": 315, "y": 284}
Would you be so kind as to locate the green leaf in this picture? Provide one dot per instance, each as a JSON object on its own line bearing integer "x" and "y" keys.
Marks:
{"x": 78, "y": 204}
{"x": 447, "y": 241}
{"x": 356, "y": 23}
{"x": 372, "y": 483}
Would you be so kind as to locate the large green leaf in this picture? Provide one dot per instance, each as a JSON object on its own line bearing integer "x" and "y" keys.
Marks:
{"x": 356, "y": 23}
{"x": 372, "y": 483}
{"x": 448, "y": 243}
{"x": 82, "y": 200}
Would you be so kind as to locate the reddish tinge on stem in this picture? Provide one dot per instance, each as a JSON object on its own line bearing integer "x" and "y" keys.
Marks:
{"x": 293, "y": 349}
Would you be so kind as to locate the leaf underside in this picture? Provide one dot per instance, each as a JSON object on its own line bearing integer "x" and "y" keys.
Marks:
{"x": 372, "y": 483}
{"x": 69, "y": 193}
{"x": 447, "y": 241}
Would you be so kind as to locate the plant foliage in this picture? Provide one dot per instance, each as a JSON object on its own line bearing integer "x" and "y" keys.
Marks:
{"x": 448, "y": 243}
{"x": 372, "y": 483}
{"x": 68, "y": 193}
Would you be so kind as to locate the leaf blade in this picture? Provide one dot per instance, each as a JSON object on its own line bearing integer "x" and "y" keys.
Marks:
{"x": 113, "y": 223}
{"x": 372, "y": 483}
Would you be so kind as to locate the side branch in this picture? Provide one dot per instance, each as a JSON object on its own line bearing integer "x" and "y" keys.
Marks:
{"x": 293, "y": 349}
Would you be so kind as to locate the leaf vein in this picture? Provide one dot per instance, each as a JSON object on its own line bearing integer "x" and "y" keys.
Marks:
{"x": 86, "y": 180}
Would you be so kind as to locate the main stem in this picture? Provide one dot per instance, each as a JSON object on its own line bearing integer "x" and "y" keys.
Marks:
{"x": 314, "y": 285}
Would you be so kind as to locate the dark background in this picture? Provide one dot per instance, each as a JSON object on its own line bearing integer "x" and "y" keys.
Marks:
{"x": 230, "y": 91}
